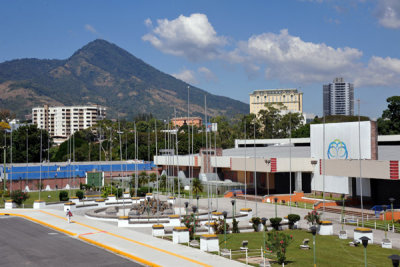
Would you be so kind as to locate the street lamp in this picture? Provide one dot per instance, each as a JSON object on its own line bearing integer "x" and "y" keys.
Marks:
{"x": 364, "y": 241}
{"x": 186, "y": 207}
{"x": 395, "y": 260}
{"x": 233, "y": 209}
{"x": 391, "y": 207}
{"x": 225, "y": 214}
{"x": 343, "y": 196}
{"x": 264, "y": 221}
{"x": 148, "y": 209}
{"x": 197, "y": 197}
{"x": 194, "y": 209}
{"x": 384, "y": 219}
{"x": 276, "y": 207}
{"x": 314, "y": 232}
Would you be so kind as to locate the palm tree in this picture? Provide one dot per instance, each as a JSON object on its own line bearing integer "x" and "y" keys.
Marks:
{"x": 142, "y": 179}
{"x": 197, "y": 187}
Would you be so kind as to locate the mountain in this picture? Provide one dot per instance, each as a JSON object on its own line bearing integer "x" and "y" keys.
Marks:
{"x": 105, "y": 74}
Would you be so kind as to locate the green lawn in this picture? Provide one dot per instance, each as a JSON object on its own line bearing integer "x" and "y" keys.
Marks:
{"x": 330, "y": 250}
{"x": 44, "y": 195}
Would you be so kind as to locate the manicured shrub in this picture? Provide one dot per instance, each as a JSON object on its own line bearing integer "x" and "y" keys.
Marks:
{"x": 63, "y": 195}
{"x": 275, "y": 222}
{"x": 313, "y": 217}
{"x": 219, "y": 226}
{"x": 256, "y": 221}
{"x": 19, "y": 197}
{"x": 235, "y": 227}
{"x": 79, "y": 194}
{"x": 293, "y": 218}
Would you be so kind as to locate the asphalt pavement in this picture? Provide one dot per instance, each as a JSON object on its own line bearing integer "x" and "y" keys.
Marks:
{"x": 24, "y": 243}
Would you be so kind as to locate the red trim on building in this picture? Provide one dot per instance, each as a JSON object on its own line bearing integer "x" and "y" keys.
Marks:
{"x": 394, "y": 170}
{"x": 273, "y": 164}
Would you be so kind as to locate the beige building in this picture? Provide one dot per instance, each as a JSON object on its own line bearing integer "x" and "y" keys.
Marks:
{"x": 292, "y": 99}
{"x": 61, "y": 122}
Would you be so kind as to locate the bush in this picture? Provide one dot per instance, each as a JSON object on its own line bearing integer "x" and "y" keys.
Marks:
{"x": 293, "y": 218}
{"x": 191, "y": 223}
{"x": 107, "y": 191}
{"x": 275, "y": 222}
{"x": 219, "y": 226}
{"x": 256, "y": 221}
{"x": 19, "y": 197}
{"x": 235, "y": 227}
{"x": 79, "y": 194}
{"x": 313, "y": 217}
{"x": 277, "y": 243}
{"x": 142, "y": 191}
{"x": 63, "y": 195}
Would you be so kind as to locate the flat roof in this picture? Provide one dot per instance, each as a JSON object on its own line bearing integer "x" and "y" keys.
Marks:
{"x": 386, "y": 152}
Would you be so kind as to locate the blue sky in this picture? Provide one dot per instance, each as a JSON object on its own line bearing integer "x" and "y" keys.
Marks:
{"x": 228, "y": 48}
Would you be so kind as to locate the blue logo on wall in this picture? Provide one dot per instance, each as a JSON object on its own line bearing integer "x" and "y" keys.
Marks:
{"x": 337, "y": 150}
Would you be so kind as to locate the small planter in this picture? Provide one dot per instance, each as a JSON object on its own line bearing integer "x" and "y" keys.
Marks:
{"x": 158, "y": 230}
{"x": 210, "y": 226}
{"x": 123, "y": 221}
{"x": 209, "y": 243}
{"x": 9, "y": 205}
{"x": 111, "y": 198}
{"x": 174, "y": 220}
{"x": 360, "y": 232}
{"x": 39, "y": 204}
{"x": 343, "y": 234}
{"x": 180, "y": 235}
{"x": 126, "y": 195}
{"x": 386, "y": 243}
{"x": 135, "y": 200}
{"x": 247, "y": 211}
{"x": 326, "y": 228}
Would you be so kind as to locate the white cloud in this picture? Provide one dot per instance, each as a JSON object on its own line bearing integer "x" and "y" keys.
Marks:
{"x": 207, "y": 74}
{"x": 379, "y": 72}
{"x": 148, "y": 22}
{"x": 192, "y": 37}
{"x": 187, "y": 76}
{"x": 388, "y": 13}
{"x": 90, "y": 28}
{"x": 289, "y": 58}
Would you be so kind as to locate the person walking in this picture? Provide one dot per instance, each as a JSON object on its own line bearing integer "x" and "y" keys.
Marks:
{"x": 69, "y": 215}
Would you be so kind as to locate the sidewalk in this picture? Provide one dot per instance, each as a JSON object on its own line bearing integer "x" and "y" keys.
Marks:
{"x": 131, "y": 243}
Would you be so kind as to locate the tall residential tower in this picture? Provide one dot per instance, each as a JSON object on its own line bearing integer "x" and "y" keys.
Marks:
{"x": 338, "y": 98}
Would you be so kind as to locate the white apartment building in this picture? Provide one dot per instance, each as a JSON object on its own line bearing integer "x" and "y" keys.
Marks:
{"x": 338, "y": 98}
{"x": 61, "y": 122}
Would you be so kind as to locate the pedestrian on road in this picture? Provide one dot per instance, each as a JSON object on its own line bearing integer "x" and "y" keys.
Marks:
{"x": 69, "y": 215}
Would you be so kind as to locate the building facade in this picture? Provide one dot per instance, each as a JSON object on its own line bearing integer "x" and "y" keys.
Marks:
{"x": 61, "y": 122}
{"x": 292, "y": 99}
{"x": 338, "y": 98}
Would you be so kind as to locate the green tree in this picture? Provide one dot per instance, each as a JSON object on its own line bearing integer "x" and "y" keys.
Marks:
{"x": 389, "y": 123}
{"x": 197, "y": 186}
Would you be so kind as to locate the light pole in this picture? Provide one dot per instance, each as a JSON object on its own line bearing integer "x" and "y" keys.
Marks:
{"x": 148, "y": 209}
{"x": 225, "y": 214}
{"x": 233, "y": 209}
{"x": 197, "y": 198}
{"x": 391, "y": 207}
{"x": 186, "y": 207}
{"x": 365, "y": 240}
{"x": 276, "y": 207}
{"x": 343, "y": 196}
{"x": 384, "y": 219}
{"x": 395, "y": 260}
{"x": 194, "y": 209}
{"x": 314, "y": 232}
{"x": 264, "y": 221}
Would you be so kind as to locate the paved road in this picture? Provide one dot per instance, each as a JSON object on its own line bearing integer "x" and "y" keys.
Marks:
{"x": 28, "y": 244}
